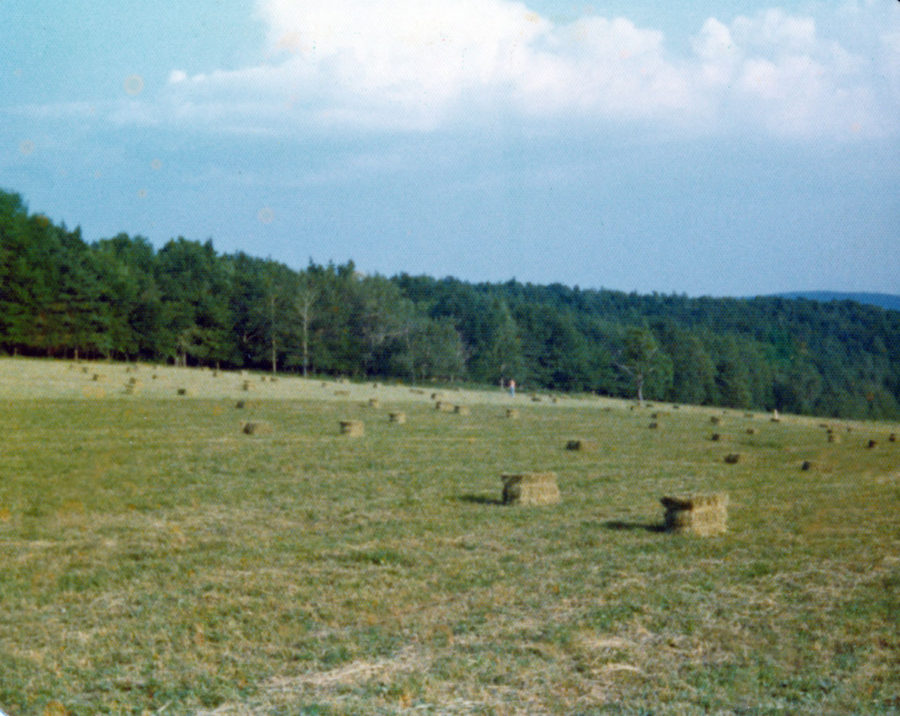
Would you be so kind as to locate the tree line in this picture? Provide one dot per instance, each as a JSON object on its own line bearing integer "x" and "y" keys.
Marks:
{"x": 120, "y": 298}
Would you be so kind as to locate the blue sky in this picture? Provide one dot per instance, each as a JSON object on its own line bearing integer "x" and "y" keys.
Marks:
{"x": 722, "y": 148}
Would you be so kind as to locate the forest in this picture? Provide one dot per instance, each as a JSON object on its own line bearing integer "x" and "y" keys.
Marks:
{"x": 120, "y": 298}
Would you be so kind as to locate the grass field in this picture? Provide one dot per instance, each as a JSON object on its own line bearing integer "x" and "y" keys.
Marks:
{"x": 156, "y": 559}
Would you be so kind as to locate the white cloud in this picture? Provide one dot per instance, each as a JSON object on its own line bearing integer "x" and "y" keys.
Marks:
{"x": 422, "y": 64}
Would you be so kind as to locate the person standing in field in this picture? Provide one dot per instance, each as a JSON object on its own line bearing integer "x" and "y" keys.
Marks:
{"x": 512, "y": 387}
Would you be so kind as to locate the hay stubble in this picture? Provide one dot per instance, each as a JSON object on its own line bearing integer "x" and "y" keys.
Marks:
{"x": 153, "y": 558}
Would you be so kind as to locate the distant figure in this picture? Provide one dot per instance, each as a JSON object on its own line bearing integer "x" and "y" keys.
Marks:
{"x": 512, "y": 388}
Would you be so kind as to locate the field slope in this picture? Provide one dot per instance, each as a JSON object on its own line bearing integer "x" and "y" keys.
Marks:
{"x": 155, "y": 558}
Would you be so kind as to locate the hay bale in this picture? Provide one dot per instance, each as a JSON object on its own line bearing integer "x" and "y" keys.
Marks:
{"x": 97, "y": 377}
{"x": 530, "y": 488}
{"x": 653, "y": 426}
{"x": 353, "y": 428}
{"x": 715, "y": 420}
{"x": 374, "y": 403}
{"x": 399, "y": 418}
{"x": 342, "y": 393}
{"x": 872, "y": 443}
{"x": 246, "y": 385}
{"x": 581, "y": 445}
{"x": 512, "y": 413}
{"x": 461, "y": 409}
{"x": 437, "y": 396}
{"x": 535, "y": 398}
{"x": 701, "y": 515}
{"x": 715, "y": 437}
{"x": 256, "y": 428}
{"x": 733, "y": 458}
{"x": 184, "y": 391}
{"x": 892, "y": 438}
{"x": 807, "y": 465}
{"x": 751, "y": 431}
{"x": 833, "y": 437}
{"x": 240, "y": 405}
{"x": 443, "y": 407}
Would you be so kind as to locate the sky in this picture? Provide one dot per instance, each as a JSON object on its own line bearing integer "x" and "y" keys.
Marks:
{"x": 709, "y": 148}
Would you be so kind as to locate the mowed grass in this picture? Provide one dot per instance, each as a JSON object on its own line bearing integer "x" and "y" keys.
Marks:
{"x": 153, "y": 558}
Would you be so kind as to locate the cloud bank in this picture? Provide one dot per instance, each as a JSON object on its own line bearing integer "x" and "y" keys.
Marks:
{"x": 422, "y": 65}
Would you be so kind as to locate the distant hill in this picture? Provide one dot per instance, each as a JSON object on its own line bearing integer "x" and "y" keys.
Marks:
{"x": 882, "y": 300}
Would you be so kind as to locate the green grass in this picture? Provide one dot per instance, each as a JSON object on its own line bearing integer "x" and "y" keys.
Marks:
{"x": 154, "y": 558}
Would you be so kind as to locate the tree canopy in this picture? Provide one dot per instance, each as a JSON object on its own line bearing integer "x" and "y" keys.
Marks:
{"x": 120, "y": 298}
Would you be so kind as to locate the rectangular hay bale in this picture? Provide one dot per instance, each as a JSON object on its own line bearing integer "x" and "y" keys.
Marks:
{"x": 256, "y": 428}
{"x": 530, "y": 488}
{"x": 353, "y": 428}
{"x": 702, "y": 515}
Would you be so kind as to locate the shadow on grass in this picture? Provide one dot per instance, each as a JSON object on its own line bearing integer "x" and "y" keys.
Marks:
{"x": 479, "y": 500}
{"x": 631, "y": 526}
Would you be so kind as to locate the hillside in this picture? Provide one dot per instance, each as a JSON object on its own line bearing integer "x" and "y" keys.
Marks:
{"x": 887, "y": 301}
{"x": 156, "y": 556}
{"x": 185, "y": 304}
